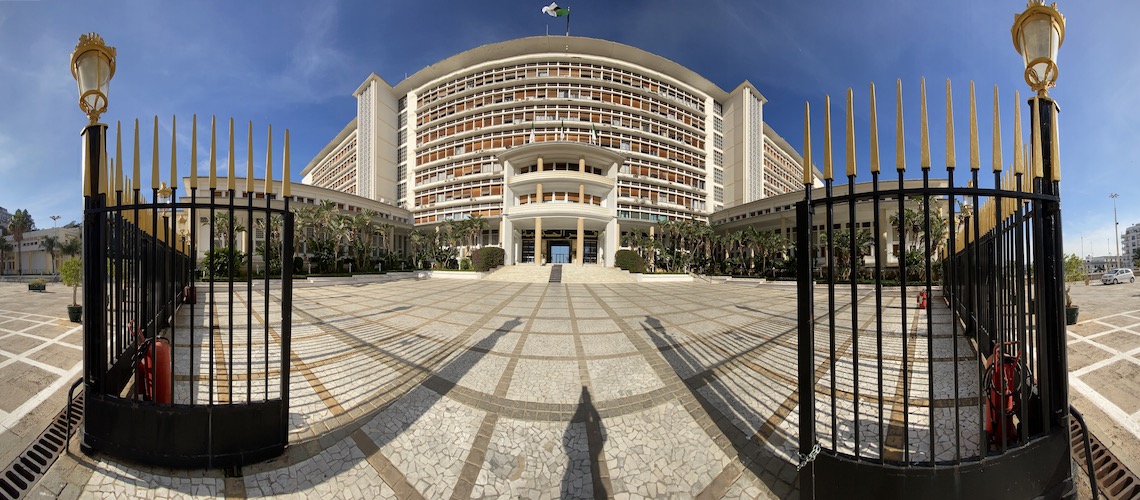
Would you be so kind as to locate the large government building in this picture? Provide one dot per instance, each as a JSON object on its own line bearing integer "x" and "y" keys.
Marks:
{"x": 561, "y": 143}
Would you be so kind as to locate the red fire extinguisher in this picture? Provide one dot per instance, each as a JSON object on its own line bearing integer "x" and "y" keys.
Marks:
{"x": 922, "y": 301}
{"x": 189, "y": 295}
{"x": 1003, "y": 394}
{"x": 152, "y": 371}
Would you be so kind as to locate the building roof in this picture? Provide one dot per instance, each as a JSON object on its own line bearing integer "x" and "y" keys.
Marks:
{"x": 567, "y": 46}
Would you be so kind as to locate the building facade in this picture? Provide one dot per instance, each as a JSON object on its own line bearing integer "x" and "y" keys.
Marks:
{"x": 560, "y": 142}
{"x": 32, "y": 257}
{"x": 1129, "y": 243}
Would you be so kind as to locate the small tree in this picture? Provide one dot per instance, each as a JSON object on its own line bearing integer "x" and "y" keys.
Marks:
{"x": 71, "y": 273}
{"x": 1074, "y": 268}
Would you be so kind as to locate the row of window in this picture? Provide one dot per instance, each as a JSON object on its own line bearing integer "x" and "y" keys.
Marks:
{"x": 451, "y": 171}
{"x": 560, "y": 197}
{"x": 654, "y": 214}
{"x": 560, "y": 69}
{"x": 459, "y": 213}
{"x": 510, "y": 138}
{"x": 541, "y": 111}
{"x": 466, "y": 190}
{"x": 561, "y": 90}
{"x": 561, "y": 166}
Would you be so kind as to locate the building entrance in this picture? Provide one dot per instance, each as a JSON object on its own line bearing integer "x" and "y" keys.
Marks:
{"x": 559, "y": 253}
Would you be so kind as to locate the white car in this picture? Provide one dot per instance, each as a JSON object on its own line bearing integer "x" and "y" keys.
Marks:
{"x": 1118, "y": 276}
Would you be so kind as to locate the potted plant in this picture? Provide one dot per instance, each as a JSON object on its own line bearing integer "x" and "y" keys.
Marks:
{"x": 71, "y": 273}
{"x": 37, "y": 285}
{"x": 1071, "y": 311}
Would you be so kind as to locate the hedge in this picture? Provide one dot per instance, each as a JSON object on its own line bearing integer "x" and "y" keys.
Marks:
{"x": 630, "y": 261}
{"x": 486, "y": 259}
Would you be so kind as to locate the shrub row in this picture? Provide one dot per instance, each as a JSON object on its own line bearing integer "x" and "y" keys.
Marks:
{"x": 630, "y": 261}
{"x": 486, "y": 259}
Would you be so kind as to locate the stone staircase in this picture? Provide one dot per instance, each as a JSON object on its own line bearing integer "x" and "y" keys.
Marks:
{"x": 571, "y": 273}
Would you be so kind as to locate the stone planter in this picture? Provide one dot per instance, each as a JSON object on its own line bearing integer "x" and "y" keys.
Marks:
{"x": 34, "y": 287}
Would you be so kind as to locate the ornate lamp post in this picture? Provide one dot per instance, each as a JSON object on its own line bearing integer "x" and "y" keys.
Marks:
{"x": 93, "y": 65}
{"x": 1037, "y": 33}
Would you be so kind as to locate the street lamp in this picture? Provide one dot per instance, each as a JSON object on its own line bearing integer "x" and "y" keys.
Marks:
{"x": 1116, "y": 228}
{"x": 1037, "y": 34}
{"x": 55, "y": 220}
{"x": 93, "y": 65}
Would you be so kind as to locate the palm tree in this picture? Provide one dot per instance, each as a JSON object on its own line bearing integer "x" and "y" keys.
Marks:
{"x": 269, "y": 248}
{"x": 340, "y": 229}
{"x": 71, "y": 247}
{"x": 20, "y": 223}
{"x": 51, "y": 244}
{"x": 222, "y": 227}
{"x": 475, "y": 226}
{"x": 842, "y": 250}
{"x": 421, "y": 239}
{"x": 5, "y": 247}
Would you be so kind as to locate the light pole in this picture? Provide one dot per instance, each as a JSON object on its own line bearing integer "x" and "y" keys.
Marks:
{"x": 93, "y": 65}
{"x": 55, "y": 221}
{"x": 1115, "y": 228}
{"x": 1038, "y": 32}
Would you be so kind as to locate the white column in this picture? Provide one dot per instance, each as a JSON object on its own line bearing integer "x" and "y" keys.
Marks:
{"x": 611, "y": 242}
{"x": 507, "y": 239}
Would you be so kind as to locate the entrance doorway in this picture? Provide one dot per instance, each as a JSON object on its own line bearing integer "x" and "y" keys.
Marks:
{"x": 559, "y": 253}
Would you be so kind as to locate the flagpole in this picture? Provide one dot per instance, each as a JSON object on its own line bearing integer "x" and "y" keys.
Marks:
{"x": 568, "y": 21}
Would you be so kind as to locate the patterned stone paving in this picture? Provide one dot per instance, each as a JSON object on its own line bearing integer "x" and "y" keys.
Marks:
{"x": 455, "y": 389}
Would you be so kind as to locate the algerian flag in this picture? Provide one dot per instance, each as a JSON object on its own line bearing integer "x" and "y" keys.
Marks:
{"x": 593, "y": 134}
{"x": 553, "y": 10}
{"x": 531, "y": 141}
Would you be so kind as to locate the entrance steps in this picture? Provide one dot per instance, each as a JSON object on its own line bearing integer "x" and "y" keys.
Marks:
{"x": 571, "y": 273}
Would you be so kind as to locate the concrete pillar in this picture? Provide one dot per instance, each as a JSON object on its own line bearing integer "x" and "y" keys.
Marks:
{"x": 613, "y": 235}
{"x": 581, "y": 236}
{"x": 538, "y": 240}
{"x": 582, "y": 165}
{"x": 540, "y": 164}
{"x": 506, "y": 241}
{"x": 581, "y": 193}
{"x": 538, "y": 193}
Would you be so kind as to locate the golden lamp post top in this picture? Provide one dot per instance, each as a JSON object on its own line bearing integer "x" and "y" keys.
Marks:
{"x": 1037, "y": 34}
{"x": 92, "y": 66}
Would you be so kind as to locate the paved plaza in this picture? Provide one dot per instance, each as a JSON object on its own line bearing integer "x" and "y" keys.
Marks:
{"x": 469, "y": 389}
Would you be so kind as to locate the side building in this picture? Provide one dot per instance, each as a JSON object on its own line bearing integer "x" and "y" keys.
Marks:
{"x": 561, "y": 143}
{"x": 1129, "y": 244}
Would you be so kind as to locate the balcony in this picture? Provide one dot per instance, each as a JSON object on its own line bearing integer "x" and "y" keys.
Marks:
{"x": 573, "y": 210}
{"x": 569, "y": 178}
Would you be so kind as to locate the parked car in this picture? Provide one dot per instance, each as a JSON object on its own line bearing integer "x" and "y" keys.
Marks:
{"x": 1118, "y": 276}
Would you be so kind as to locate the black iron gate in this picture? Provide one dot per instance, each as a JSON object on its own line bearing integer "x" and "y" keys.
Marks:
{"x": 932, "y": 341}
{"x": 186, "y": 355}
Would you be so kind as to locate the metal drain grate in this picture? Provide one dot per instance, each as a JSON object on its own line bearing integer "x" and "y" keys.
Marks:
{"x": 23, "y": 473}
{"x": 1113, "y": 479}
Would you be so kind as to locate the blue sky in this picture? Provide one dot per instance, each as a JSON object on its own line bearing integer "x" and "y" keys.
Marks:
{"x": 294, "y": 64}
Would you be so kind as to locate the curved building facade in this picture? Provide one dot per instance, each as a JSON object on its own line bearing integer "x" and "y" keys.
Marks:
{"x": 561, "y": 142}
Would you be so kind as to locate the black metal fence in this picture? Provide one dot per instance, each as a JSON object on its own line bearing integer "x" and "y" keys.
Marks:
{"x": 932, "y": 347}
{"x": 186, "y": 365}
